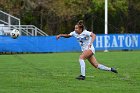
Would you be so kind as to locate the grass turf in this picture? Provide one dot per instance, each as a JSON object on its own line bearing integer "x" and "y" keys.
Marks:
{"x": 56, "y": 72}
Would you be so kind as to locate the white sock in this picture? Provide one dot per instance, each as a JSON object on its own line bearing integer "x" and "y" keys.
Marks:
{"x": 82, "y": 64}
{"x": 102, "y": 67}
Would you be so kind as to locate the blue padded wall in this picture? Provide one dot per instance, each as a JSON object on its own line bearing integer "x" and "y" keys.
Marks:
{"x": 50, "y": 44}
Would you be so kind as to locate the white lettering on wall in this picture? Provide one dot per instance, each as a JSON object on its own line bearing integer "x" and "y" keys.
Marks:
{"x": 114, "y": 42}
{"x": 99, "y": 40}
{"x": 121, "y": 38}
{"x": 128, "y": 41}
{"x": 135, "y": 41}
{"x": 107, "y": 41}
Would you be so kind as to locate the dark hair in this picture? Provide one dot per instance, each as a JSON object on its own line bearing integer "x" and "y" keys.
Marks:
{"x": 81, "y": 24}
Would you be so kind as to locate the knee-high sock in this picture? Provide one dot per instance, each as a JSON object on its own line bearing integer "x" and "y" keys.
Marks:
{"x": 82, "y": 64}
{"x": 102, "y": 67}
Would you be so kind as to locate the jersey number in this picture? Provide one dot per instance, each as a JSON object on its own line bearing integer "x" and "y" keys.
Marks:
{"x": 81, "y": 43}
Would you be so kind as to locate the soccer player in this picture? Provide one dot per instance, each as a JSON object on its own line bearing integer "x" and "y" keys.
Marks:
{"x": 86, "y": 39}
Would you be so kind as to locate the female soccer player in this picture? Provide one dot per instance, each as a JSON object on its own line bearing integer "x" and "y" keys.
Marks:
{"x": 86, "y": 39}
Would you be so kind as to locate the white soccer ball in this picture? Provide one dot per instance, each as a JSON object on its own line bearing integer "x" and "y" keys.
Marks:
{"x": 15, "y": 33}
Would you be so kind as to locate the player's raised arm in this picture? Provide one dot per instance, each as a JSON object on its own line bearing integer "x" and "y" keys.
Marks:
{"x": 93, "y": 36}
{"x": 63, "y": 35}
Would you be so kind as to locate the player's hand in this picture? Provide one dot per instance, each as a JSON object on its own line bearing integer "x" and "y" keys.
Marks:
{"x": 89, "y": 46}
{"x": 58, "y": 36}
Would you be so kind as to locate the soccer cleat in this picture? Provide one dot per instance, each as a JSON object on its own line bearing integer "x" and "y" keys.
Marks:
{"x": 81, "y": 77}
{"x": 114, "y": 70}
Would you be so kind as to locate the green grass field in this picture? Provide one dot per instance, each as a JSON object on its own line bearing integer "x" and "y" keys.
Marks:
{"x": 56, "y": 72}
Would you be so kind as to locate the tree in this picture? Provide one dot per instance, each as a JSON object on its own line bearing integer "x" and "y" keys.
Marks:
{"x": 59, "y": 16}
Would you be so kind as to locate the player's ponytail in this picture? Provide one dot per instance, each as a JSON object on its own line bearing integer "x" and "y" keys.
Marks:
{"x": 81, "y": 24}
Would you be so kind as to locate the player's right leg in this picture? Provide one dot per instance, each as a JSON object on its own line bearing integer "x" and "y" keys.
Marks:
{"x": 94, "y": 62}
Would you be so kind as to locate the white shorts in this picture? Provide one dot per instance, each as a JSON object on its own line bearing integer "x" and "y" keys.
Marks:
{"x": 92, "y": 49}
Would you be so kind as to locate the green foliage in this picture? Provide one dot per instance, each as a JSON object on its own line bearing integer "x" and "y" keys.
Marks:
{"x": 63, "y": 14}
{"x": 97, "y": 5}
{"x": 28, "y": 18}
{"x": 68, "y": 8}
{"x": 119, "y": 5}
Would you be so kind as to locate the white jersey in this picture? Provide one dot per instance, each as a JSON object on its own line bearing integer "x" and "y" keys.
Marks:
{"x": 84, "y": 39}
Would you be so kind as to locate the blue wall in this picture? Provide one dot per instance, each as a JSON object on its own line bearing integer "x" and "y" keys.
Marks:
{"x": 118, "y": 42}
{"x": 50, "y": 44}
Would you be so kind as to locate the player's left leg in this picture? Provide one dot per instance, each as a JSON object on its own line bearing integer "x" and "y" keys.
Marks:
{"x": 83, "y": 56}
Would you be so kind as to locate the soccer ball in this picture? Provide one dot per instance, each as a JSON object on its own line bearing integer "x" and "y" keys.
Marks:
{"x": 15, "y": 33}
